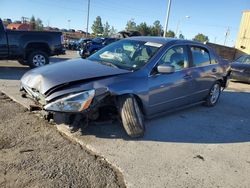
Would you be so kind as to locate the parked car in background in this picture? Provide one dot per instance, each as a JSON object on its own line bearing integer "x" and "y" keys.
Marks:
{"x": 31, "y": 48}
{"x": 135, "y": 78}
{"x": 72, "y": 44}
{"x": 94, "y": 45}
{"x": 240, "y": 69}
{"x": 126, "y": 34}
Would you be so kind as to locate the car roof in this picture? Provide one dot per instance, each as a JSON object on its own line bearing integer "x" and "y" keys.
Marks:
{"x": 163, "y": 40}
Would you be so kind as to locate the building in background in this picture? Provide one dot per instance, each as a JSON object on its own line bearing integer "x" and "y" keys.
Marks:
{"x": 243, "y": 40}
{"x": 19, "y": 26}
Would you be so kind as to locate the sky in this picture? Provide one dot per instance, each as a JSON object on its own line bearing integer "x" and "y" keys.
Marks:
{"x": 211, "y": 17}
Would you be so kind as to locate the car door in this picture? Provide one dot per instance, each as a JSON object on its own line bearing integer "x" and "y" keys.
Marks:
{"x": 203, "y": 72}
{"x": 169, "y": 91}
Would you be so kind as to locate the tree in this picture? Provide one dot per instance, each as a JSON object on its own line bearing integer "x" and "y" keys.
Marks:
{"x": 181, "y": 36}
{"x": 156, "y": 29}
{"x": 33, "y": 23}
{"x": 201, "y": 38}
{"x": 97, "y": 26}
{"x": 106, "y": 30}
{"x": 36, "y": 24}
{"x": 144, "y": 29}
{"x": 170, "y": 34}
{"x": 112, "y": 31}
{"x": 39, "y": 25}
{"x": 131, "y": 25}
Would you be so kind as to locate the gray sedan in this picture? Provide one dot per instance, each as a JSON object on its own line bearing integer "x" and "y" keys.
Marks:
{"x": 240, "y": 69}
{"x": 135, "y": 78}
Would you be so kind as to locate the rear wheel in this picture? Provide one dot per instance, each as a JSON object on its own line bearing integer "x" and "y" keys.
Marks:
{"x": 214, "y": 95}
{"x": 131, "y": 115}
{"x": 38, "y": 59}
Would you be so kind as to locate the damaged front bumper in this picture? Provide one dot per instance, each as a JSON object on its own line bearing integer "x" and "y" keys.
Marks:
{"x": 71, "y": 103}
{"x": 33, "y": 94}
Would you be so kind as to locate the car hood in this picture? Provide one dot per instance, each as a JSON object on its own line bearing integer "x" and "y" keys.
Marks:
{"x": 47, "y": 77}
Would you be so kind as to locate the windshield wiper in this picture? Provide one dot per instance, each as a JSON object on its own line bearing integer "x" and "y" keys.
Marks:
{"x": 108, "y": 64}
{"x": 111, "y": 65}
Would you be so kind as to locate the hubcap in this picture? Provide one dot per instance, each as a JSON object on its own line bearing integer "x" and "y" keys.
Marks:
{"x": 215, "y": 93}
{"x": 39, "y": 60}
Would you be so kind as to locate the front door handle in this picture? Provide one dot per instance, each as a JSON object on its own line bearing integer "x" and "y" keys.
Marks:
{"x": 187, "y": 76}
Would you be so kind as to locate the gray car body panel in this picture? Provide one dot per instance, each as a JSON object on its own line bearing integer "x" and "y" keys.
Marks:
{"x": 157, "y": 93}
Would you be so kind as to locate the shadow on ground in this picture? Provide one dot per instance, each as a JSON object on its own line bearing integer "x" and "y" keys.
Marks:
{"x": 16, "y": 71}
{"x": 12, "y": 73}
{"x": 228, "y": 122}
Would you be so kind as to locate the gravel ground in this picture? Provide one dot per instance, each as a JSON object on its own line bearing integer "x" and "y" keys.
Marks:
{"x": 34, "y": 154}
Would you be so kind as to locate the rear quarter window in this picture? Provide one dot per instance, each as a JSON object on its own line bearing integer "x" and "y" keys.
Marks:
{"x": 214, "y": 59}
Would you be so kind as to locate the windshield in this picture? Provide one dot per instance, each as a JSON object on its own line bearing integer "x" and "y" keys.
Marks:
{"x": 126, "y": 54}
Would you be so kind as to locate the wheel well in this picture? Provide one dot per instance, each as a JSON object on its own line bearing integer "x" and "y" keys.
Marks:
{"x": 36, "y": 46}
{"x": 221, "y": 81}
{"x": 137, "y": 99}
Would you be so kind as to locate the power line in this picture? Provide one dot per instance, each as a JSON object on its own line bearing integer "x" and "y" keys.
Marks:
{"x": 57, "y": 6}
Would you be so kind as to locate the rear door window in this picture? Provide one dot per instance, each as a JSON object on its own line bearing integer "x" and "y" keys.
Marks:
{"x": 200, "y": 56}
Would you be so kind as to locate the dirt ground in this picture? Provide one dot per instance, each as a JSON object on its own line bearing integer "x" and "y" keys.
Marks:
{"x": 34, "y": 154}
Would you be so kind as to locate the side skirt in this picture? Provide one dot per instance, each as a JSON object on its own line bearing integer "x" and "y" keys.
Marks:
{"x": 173, "y": 110}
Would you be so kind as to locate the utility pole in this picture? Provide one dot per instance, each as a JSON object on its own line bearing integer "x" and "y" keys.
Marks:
{"x": 226, "y": 36}
{"x": 87, "y": 30}
{"x": 167, "y": 18}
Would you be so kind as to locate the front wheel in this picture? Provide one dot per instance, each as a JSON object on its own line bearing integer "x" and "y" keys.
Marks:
{"x": 131, "y": 115}
{"x": 214, "y": 95}
{"x": 38, "y": 59}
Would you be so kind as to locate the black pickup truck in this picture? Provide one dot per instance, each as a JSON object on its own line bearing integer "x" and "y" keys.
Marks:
{"x": 31, "y": 48}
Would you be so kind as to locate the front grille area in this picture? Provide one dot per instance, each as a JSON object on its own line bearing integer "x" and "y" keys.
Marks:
{"x": 34, "y": 94}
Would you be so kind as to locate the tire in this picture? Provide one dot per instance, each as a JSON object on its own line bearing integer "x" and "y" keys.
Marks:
{"x": 214, "y": 94}
{"x": 38, "y": 59}
{"x": 131, "y": 116}
{"x": 22, "y": 62}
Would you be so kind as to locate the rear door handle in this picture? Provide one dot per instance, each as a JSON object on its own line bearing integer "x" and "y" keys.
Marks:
{"x": 214, "y": 70}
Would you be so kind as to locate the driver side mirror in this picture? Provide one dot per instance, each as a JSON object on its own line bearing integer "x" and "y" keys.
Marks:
{"x": 165, "y": 69}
